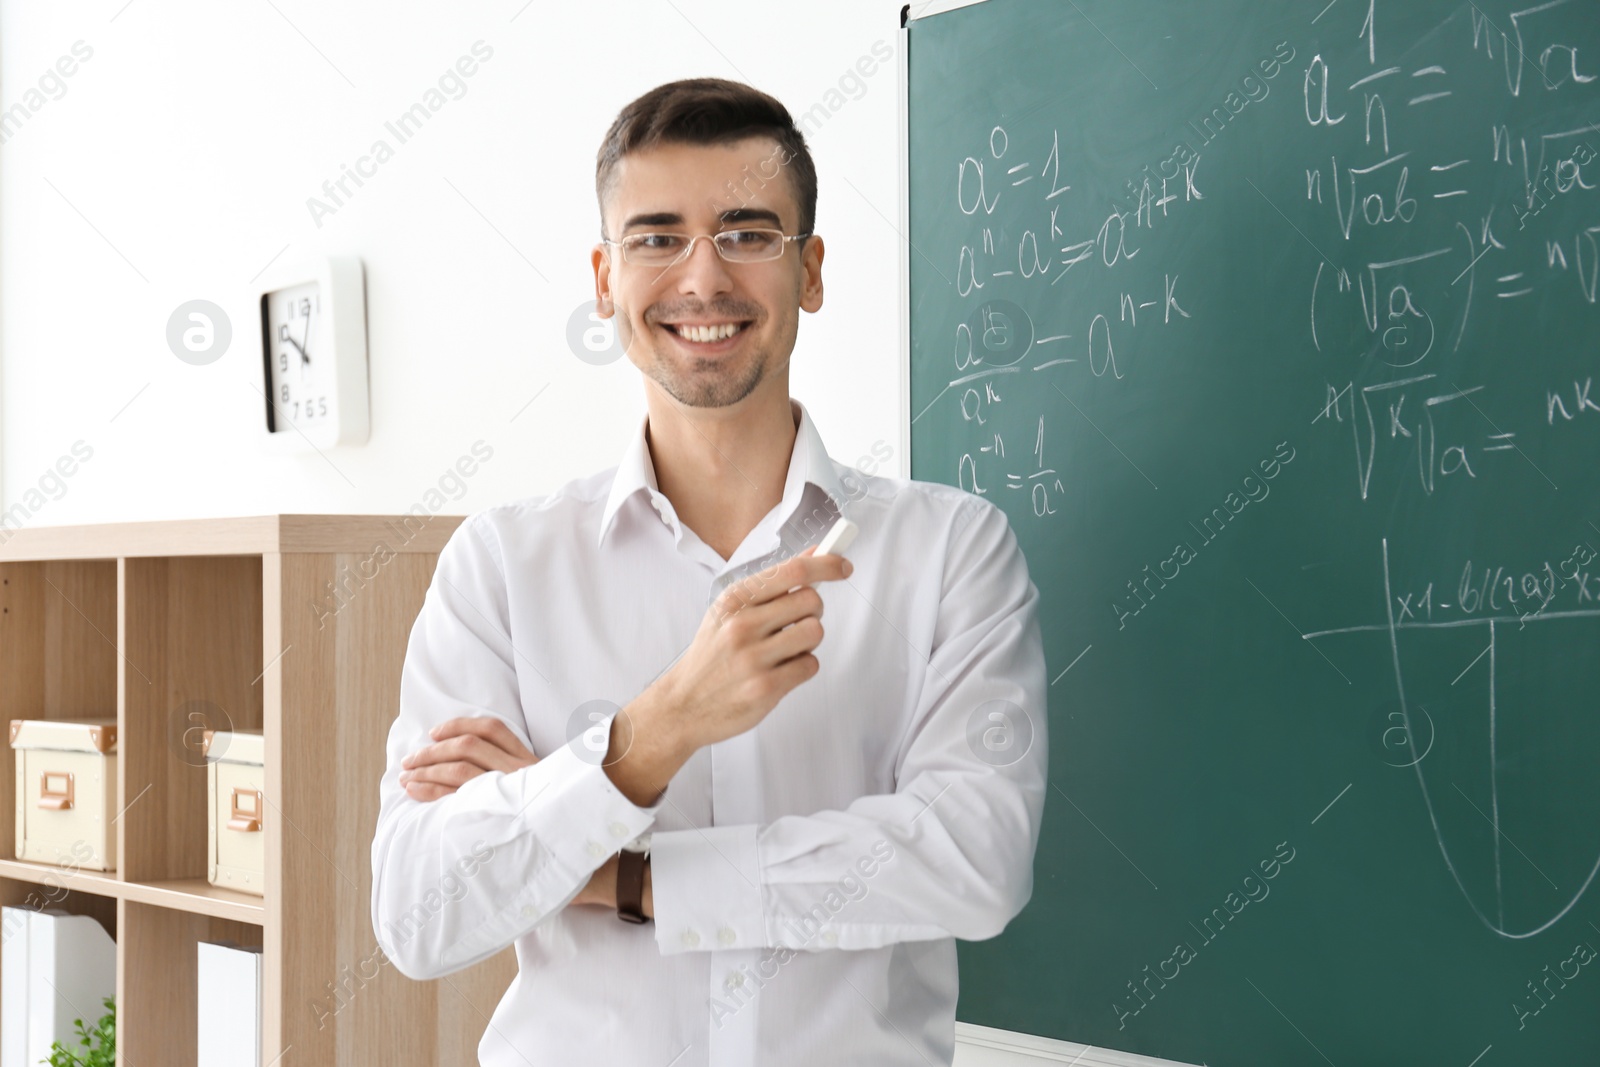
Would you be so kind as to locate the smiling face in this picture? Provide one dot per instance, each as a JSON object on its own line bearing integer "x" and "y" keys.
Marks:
{"x": 707, "y": 332}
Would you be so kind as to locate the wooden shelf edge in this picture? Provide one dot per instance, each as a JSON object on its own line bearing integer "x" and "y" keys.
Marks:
{"x": 194, "y": 895}
{"x": 244, "y": 535}
{"x": 198, "y": 897}
{"x": 100, "y": 883}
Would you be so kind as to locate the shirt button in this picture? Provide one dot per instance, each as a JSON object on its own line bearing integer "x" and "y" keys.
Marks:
{"x": 618, "y": 830}
{"x": 529, "y": 911}
{"x": 596, "y": 849}
{"x": 691, "y": 938}
{"x": 733, "y": 981}
{"x": 726, "y": 936}
{"x": 829, "y": 937}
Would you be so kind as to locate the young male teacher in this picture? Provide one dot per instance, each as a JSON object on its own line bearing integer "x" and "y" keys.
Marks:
{"x": 738, "y": 843}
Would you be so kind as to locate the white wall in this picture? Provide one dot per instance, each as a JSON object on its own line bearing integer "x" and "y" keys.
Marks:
{"x": 178, "y": 162}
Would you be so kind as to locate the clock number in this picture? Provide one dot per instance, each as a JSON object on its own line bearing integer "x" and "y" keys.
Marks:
{"x": 285, "y": 394}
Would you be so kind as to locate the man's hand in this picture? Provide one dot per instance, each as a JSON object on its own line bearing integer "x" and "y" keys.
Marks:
{"x": 462, "y": 749}
{"x": 753, "y": 646}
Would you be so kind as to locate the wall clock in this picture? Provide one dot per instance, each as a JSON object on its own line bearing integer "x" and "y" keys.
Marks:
{"x": 314, "y": 354}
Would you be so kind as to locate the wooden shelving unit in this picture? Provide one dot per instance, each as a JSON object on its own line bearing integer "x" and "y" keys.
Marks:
{"x": 292, "y": 624}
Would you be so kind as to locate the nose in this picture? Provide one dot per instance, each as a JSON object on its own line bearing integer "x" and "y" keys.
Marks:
{"x": 702, "y": 270}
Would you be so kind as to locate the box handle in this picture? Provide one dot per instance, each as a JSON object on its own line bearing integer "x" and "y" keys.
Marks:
{"x": 58, "y": 798}
{"x": 246, "y": 817}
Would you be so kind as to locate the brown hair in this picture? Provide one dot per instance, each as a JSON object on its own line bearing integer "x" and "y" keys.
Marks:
{"x": 709, "y": 111}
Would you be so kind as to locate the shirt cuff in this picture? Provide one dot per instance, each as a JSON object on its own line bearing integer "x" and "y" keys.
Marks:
{"x": 594, "y": 817}
{"x": 577, "y": 817}
{"x": 706, "y": 889}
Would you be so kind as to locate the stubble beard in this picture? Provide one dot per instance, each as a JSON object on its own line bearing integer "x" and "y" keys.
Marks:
{"x": 707, "y": 383}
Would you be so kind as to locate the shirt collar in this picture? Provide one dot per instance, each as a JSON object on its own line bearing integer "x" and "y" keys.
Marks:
{"x": 809, "y": 463}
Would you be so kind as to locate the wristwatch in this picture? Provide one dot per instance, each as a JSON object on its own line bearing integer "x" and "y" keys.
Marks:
{"x": 630, "y": 879}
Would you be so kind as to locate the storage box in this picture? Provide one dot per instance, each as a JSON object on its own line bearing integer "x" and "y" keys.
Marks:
{"x": 229, "y": 1004}
{"x": 66, "y": 791}
{"x": 235, "y": 777}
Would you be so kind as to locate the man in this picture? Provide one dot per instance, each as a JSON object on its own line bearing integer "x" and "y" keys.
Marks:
{"x": 617, "y": 702}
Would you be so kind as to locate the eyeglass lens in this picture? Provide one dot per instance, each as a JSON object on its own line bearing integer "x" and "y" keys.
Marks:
{"x": 739, "y": 246}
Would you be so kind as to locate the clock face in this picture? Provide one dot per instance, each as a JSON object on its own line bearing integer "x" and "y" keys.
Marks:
{"x": 314, "y": 355}
{"x": 301, "y": 357}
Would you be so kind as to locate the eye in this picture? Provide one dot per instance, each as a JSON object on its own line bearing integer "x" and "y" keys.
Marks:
{"x": 748, "y": 238}
{"x": 657, "y": 242}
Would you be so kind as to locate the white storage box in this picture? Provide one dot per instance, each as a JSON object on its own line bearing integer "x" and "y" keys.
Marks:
{"x": 66, "y": 791}
{"x": 235, "y": 777}
{"x": 229, "y": 1004}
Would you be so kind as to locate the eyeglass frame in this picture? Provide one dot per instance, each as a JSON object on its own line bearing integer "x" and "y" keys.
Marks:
{"x": 688, "y": 249}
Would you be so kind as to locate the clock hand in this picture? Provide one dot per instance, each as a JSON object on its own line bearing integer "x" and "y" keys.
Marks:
{"x": 305, "y": 357}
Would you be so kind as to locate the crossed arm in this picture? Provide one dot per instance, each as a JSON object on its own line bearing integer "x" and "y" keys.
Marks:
{"x": 463, "y": 748}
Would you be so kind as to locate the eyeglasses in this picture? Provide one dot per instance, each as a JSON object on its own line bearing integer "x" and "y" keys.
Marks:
{"x": 736, "y": 246}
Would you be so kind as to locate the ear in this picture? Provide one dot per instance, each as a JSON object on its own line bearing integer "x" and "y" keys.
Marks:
{"x": 811, "y": 274}
{"x": 603, "y": 305}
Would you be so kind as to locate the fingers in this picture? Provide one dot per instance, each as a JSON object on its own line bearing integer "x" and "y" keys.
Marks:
{"x": 789, "y": 675}
{"x": 780, "y": 625}
{"x": 438, "y": 779}
{"x": 764, "y": 586}
{"x": 487, "y": 727}
{"x": 465, "y": 748}
{"x": 775, "y": 615}
{"x": 798, "y": 640}
{"x": 483, "y": 741}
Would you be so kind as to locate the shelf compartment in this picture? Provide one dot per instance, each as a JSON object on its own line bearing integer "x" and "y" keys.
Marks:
{"x": 70, "y": 897}
{"x": 67, "y": 896}
{"x": 190, "y": 630}
{"x": 58, "y": 653}
{"x": 158, "y": 980}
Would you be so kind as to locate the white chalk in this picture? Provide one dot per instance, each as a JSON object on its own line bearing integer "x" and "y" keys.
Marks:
{"x": 837, "y": 539}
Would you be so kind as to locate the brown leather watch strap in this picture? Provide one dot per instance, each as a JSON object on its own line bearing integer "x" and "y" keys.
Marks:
{"x": 630, "y": 886}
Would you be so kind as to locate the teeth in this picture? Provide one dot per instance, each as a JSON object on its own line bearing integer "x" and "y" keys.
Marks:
{"x": 706, "y": 334}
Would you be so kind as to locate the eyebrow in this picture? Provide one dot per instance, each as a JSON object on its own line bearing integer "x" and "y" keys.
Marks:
{"x": 732, "y": 215}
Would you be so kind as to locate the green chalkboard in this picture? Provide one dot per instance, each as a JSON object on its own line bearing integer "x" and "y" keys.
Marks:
{"x": 1273, "y": 328}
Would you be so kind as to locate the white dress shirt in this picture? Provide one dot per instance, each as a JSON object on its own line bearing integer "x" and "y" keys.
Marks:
{"x": 809, "y": 875}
